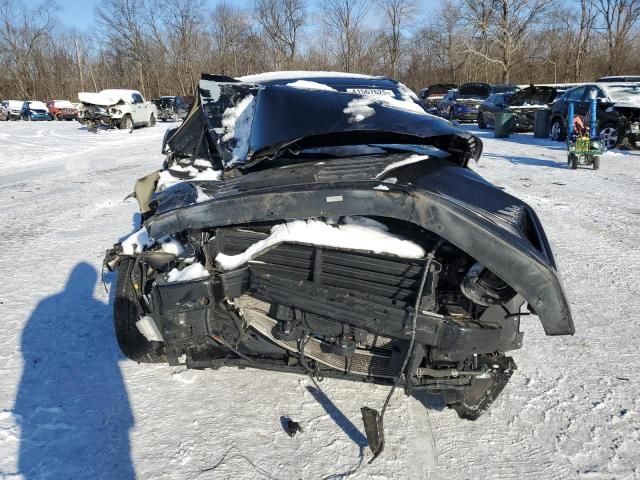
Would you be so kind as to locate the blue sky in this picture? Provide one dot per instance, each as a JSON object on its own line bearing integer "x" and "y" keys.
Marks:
{"x": 79, "y": 13}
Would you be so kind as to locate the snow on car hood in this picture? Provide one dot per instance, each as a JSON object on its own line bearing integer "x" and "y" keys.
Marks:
{"x": 37, "y": 106}
{"x": 105, "y": 98}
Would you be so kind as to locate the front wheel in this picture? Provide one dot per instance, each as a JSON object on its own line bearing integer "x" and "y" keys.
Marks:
{"x": 126, "y": 312}
{"x": 609, "y": 136}
{"x": 481, "y": 123}
{"x": 573, "y": 158}
{"x": 126, "y": 123}
{"x": 596, "y": 162}
{"x": 558, "y": 132}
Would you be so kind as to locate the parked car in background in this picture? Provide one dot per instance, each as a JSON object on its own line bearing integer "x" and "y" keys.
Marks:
{"x": 463, "y": 104}
{"x": 431, "y": 96}
{"x": 13, "y": 109}
{"x": 118, "y": 108}
{"x": 171, "y": 108}
{"x": 61, "y": 109}
{"x": 619, "y": 79}
{"x": 497, "y": 102}
{"x": 34, "y": 110}
{"x": 523, "y": 104}
{"x": 618, "y": 112}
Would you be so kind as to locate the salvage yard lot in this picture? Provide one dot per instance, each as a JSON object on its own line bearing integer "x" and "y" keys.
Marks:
{"x": 72, "y": 407}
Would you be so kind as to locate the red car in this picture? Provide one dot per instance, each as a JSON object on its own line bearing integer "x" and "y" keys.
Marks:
{"x": 62, "y": 109}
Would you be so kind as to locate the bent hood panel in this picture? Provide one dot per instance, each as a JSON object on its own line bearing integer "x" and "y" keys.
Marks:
{"x": 500, "y": 231}
{"x": 240, "y": 122}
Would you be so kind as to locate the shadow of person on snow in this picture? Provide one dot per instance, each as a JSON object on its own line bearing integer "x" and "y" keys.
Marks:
{"x": 72, "y": 403}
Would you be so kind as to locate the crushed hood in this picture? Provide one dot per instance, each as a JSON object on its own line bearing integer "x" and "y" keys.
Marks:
{"x": 238, "y": 123}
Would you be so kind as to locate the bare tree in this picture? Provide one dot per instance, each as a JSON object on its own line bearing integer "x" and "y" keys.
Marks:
{"x": 123, "y": 24}
{"x": 344, "y": 23}
{"x": 396, "y": 16}
{"x": 230, "y": 31}
{"x": 619, "y": 18}
{"x": 511, "y": 25}
{"x": 23, "y": 33}
{"x": 479, "y": 16}
{"x": 585, "y": 29}
{"x": 281, "y": 22}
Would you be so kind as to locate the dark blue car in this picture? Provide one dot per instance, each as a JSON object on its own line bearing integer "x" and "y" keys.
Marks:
{"x": 35, "y": 111}
{"x": 463, "y": 104}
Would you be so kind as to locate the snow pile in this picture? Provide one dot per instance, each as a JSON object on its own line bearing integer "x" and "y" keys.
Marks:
{"x": 192, "y": 272}
{"x": 236, "y": 122}
{"x": 168, "y": 179}
{"x": 172, "y": 246}
{"x": 308, "y": 85}
{"x": 208, "y": 175}
{"x": 136, "y": 242}
{"x": 401, "y": 163}
{"x": 357, "y": 234}
{"x": 359, "y": 108}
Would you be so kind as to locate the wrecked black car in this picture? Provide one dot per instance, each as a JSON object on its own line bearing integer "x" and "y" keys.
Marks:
{"x": 324, "y": 224}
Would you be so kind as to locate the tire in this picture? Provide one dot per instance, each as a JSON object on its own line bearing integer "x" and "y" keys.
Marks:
{"x": 152, "y": 121}
{"x": 596, "y": 162}
{"x": 126, "y": 123}
{"x": 574, "y": 161}
{"x": 558, "y": 130}
{"x": 609, "y": 136}
{"x": 163, "y": 119}
{"x": 126, "y": 312}
{"x": 481, "y": 123}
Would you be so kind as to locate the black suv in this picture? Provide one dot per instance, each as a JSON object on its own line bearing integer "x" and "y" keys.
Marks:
{"x": 618, "y": 113}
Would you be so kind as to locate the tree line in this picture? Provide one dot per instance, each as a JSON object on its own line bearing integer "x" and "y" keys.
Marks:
{"x": 160, "y": 47}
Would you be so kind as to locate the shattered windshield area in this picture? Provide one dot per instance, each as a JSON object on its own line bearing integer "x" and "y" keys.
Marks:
{"x": 624, "y": 93}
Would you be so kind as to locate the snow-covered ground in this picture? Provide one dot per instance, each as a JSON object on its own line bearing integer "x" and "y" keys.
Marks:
{"x": 72, "y": 408}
